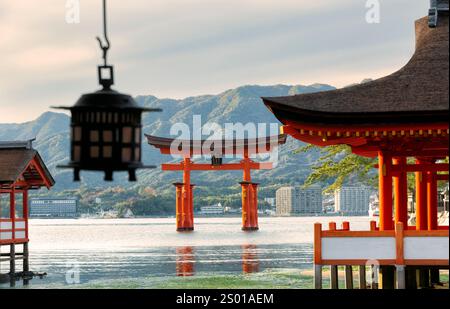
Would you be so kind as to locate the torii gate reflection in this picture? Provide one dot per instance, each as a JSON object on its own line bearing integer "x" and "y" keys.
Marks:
{"x": 185, "y": 260}
{"x": 216, "y": 149}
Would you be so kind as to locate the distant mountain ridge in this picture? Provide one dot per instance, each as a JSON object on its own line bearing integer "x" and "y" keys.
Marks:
{"x": 242, "y": 104}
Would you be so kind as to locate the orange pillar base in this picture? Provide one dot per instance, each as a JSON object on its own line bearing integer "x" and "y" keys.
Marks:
{"x": 183, "y": 210}
{"x": 249, "y": 211}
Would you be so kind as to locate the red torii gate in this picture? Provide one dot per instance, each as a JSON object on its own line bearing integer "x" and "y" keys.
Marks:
{"x": 216, "y": 149}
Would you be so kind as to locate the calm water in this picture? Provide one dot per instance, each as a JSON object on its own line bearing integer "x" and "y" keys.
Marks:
{"x": 149, "y": 251}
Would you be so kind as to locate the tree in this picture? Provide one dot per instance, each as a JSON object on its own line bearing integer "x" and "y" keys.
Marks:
{"x": 338, "y": 165}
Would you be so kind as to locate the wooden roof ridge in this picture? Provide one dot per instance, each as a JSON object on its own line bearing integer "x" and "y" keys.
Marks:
{"x": 15, "y": 159}
{"x": 418, "y": 92}
{"x": 164, "y": 141}
{"x": 225, "y": 144}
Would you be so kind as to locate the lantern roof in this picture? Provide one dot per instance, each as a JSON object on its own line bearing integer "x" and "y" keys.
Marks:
{"x": 417, "y": 93}
{"x": 108, "y": 99}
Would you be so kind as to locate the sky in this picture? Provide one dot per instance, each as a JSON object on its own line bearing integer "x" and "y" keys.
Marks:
{"x": 183, "y": 48}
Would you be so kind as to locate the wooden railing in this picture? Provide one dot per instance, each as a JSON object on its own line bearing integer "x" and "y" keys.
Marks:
{"x": 394, "y": 247}
{"x": 13, "y": 231}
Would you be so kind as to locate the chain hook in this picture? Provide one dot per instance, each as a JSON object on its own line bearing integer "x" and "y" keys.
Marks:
{"x": 104, "y": 47}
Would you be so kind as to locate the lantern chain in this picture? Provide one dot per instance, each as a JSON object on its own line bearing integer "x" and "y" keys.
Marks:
{"x": 104, "y": 47}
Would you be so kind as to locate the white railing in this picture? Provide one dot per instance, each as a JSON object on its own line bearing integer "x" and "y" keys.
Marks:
{"x": 13, "y": 231}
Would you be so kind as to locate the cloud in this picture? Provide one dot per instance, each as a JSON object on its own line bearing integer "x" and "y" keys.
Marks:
{"x": 179, "y": 48}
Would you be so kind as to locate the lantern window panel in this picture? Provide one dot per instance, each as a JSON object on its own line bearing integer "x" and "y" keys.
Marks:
{"x": 137, "y": 135}
{"x": 94, "y": 136}
{"x": 94, "y": 152}
{"x": 76, "y": 134}
{"x": 108, "y": 136}
{"x": 127, "y": 135}
{"x": 137, "y": 154}
{"x": 107, "y": 152}
{"x": 126, "y": 154}
{"x": 76, "y": 153}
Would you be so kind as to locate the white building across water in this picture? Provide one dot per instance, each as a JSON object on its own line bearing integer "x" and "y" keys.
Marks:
{"x": 53, "y": 207}
{"x": 352, "y": 200}
{"x": 296, "y": 200}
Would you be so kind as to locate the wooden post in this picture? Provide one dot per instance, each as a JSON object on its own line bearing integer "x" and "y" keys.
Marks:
{"x": 432, "y": 203}
{"x": 179, "y": 204}
{"x": 254, "y": 206}
{"x": 349, "y": 277}
{"x": 422, "y": 218}
{"x": 12, "y": 211}
{"x": 401, "y": 277}
{"x": 434, "y": 276}
{"x": 423, "y": 275}
{"x": 26, "y": 262}
{"x": 318, "y": 277}
{"x": 12, "y": 265}
{"x": 191, "y": 208}
{"x": 401, "y": 192}
{"x": 186, "y": 192}
{"x": 334, "y": 277}
{"x": 375, "y": 276}
{"x": 421, "y": 200}
{"x": 411, "y": 278}
{"x": 26, "y": 265}
{"x": 25, "y": 210}
{"x": 334, "y": 271}
{"x": 362, "y": 277}
{"x": 318, "y": 256}
{"x": 246, "y": 201}
{"x": 346, "y": 226}
{"x": 385, "y": 184}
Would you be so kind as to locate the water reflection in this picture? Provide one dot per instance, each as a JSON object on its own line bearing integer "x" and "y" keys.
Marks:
{"x": 250, "y": 260}
{"x": 185, "y": 262}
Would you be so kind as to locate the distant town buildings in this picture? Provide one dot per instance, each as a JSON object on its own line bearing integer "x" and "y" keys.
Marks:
{"x": 53, "y": 207}
{"x": 271, "y": 201}
{"x": 352, "y": 200}
{"x": 295, "y": 200}
{"x": 212, "y": 210}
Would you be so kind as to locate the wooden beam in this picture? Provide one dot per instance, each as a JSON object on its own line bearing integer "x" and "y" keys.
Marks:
{"x": 209, "y": 167}
{"x": 421, "y": 167}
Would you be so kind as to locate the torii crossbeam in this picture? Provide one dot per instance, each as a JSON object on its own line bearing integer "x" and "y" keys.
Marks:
{"x": 216, "y": 149}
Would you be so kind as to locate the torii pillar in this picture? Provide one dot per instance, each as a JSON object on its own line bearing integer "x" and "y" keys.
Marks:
{"x": 185, "y": 200}
{"x": 249, "y": 199}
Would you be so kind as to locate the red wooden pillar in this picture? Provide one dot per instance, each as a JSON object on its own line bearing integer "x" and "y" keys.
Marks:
{"x": 401, "y": 192}
{"x": 385, "y": 184}
{"x": 25, "y": 210}
{"x": 255, "y": 206}
{"x": 12, "y": 210}
{"x": 421, "y": 200}
{"x": 247, "y": 195}
{"x": 186, "y": 225}
{"x": 191, "y": 208}
{"x": 246, "y": 201}
{"x": 179, "y": 204}
{"x": 432, "y": 202}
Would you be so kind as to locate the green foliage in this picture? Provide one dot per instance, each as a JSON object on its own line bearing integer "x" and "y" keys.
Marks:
{"x": 339, "y": 165}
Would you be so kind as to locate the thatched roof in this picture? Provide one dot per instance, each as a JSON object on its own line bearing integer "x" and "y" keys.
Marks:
{"x": 416, "y": 93}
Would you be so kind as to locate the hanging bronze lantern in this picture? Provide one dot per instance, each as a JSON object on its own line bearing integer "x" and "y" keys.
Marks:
{"x": 106, "y": 129}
